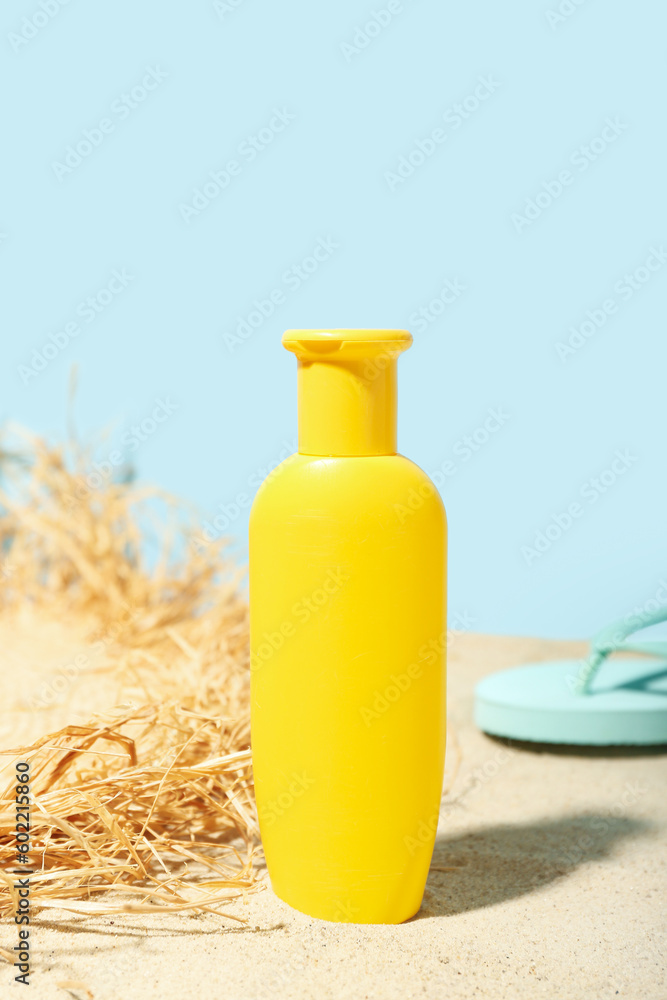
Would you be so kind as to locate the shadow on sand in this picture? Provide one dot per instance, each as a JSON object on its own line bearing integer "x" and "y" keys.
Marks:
{"x": 498, "y": 863}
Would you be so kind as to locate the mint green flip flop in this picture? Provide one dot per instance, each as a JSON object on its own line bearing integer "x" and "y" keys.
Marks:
{"x": 590, "y": 702}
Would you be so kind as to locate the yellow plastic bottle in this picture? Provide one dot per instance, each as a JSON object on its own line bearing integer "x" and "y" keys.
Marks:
{"x": 348, "y": 640}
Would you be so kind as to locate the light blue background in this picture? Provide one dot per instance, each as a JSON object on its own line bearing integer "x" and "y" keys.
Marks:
{"x": 324, "y": 176}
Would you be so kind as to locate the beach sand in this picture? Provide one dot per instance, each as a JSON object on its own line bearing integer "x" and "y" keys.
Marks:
{"x": 549, "y": 879}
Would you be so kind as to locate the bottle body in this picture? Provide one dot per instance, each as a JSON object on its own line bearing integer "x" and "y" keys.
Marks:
{"x": 348, "y": 642}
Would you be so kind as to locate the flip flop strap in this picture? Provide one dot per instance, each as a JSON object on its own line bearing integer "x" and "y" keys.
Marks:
{"x": 612, "y": 639}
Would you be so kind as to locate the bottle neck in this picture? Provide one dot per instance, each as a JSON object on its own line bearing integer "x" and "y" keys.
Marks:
{"x": 347, "y": 406}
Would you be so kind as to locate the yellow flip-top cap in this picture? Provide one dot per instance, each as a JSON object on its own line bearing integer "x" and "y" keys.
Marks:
{"x": 347, "y": 389}
{"x": 352, "y": 343}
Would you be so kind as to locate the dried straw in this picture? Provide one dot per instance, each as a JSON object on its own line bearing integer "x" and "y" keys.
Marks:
{"x": 148, "y": 807}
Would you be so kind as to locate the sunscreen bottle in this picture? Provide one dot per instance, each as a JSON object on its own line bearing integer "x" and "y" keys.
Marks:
{"x": 348, "y": 638}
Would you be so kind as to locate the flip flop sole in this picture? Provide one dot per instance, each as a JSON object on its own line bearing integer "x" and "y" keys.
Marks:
{"x": 626, "y": 705}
